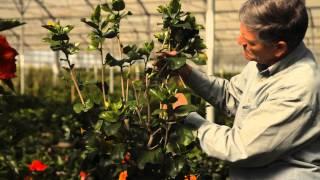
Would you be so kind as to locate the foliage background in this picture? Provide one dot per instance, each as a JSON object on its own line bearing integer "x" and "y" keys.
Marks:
{"x": 42, "y": 125}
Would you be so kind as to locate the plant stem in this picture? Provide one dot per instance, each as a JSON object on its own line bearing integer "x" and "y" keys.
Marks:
{"x": 167, "y": 134}
{"x": 76, "y": 85}
{"x": 128, "y": 79}
{"x": 121, "y": 69}
{"x": 102, "y": 76}
{"x": 151, "y": 138}
{"x": 148, "y": 102}
{"x": 138, "y": 104}
{"x": 122, "y": 84}
{"x": 73, "y": 78}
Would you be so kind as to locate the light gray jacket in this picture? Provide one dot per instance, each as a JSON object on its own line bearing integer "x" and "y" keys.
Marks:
{"x": 277, "y": 119}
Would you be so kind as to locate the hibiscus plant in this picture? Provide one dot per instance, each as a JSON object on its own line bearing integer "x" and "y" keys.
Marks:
{"x": 141, "y": 132}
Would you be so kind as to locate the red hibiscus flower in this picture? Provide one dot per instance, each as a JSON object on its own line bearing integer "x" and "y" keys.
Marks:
{"x": 37, "y": 165}
{"x": 7, "y": 59}
{"x": 83, "y": 175}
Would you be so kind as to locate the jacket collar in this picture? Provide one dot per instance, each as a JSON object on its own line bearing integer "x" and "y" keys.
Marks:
{"x": 283, "y": 63}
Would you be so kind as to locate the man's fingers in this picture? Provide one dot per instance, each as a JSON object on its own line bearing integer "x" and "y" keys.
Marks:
{"x": 170, "y": 53}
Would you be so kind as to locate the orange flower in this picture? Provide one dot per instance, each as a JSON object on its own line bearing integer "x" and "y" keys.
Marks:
{"x": 123, "y": 175}
{"x": 190, "y": 177}
{"x": 37, "y": 165}
{"x": 83, "y": 175}
{"x": 181, "y": 100}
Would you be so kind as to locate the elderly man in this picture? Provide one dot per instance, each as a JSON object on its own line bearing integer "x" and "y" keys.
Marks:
{"x": 275, "y": 99}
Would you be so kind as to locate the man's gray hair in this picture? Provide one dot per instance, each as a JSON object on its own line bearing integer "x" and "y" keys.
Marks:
{"x": 276, "y": 20}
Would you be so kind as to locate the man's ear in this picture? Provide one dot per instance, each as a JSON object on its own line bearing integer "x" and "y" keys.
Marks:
{"x": 281, "y": 49}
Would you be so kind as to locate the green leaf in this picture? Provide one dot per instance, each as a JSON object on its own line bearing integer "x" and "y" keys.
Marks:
{"x": 85, "y": 108}
{"x": 127, "y": 49}
{"x": 105, "y": 7}
{"x": 118, "y": 5}
{"x": 88, "y": 104}
{"x": 157, "y": 94}
{"x": 160, "y": 36}
{"x": 95, "y": 41}
{"x": 50, "y": 28}
{"x": 109, "y": 116}
{"x": 111, "y": 61}
{"x": 6, "y": 24}
{"x": 174, "y": 6}
{"x": 138, "y": 85}
{"x": 171, "y": 99}
{"x": 147, "y": 48}
{"x": 200, "y": 59}
{"x": 111, "y": 129}
{"x": 153, "y": 157}
{"x": 185, "y": 25}
{"x": 56, "y": 47}
{"x": 60, "y": 37}
{"x": 90, "y": 23}
{"x": 67, "y": 29}
{"x": 116, "y": 106}
{"x": 78, "y": 107}
{"x": 185, "y": 136}
{"x": 176, "y": 62}
{"x": 118, "y": 151}
{"x": 184, "y": 110}
{"x": 111, "y": 33}
{"x": 104, "y": 24}
{"x": 172, "y": 147}
{"x": 158, "y": 111}
{"x": 129, "y": 13}
{"x": 195, "y": 153}
{"x": 175, "y": 166}
{"x": 9, "y": 83}
{"x": 96, "y": 16}
{"x": 98, "y": 125}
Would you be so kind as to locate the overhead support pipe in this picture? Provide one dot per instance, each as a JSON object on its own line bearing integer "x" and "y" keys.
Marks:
{"x": 56, "y": 65}
{"x": 22, "y": 8}
{"x": 89, "y": 4}
{"x": 147, "y": 13}
{"x": 41, "y": 4}
{"x": 210, "y": 37}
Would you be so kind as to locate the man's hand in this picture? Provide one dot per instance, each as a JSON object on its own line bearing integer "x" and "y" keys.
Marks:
{"x": 162, "y": 65}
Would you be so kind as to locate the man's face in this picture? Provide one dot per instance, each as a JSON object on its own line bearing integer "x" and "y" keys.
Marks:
{"x": 254, "y": 49}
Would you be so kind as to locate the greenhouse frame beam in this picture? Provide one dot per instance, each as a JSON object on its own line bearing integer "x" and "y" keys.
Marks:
{"x": 89, "y": 3}
{"x": 143, "y": 7}
{"x": 147, "y": 13}
{"x": 77, "y": 17}
{"x": 210, "y": 40}
{"x": 20, "y": 6}
{"x": 41, "y": 4}
{"x": 18, "y": 37}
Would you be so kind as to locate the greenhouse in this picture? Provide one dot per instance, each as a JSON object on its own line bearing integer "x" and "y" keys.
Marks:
{"x": 110, "y": 89}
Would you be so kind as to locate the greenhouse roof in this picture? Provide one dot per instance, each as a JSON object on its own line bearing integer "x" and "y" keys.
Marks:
{"x": 137, "y": 28}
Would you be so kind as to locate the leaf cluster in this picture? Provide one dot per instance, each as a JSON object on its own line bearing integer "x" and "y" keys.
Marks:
{"x": 105, "y": 25}
{"x": 133, "y": 54}
{"x": 59, "y": 40}
{"x": 180, "y": 32}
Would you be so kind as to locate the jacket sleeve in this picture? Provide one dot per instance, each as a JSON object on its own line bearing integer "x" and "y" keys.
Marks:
{"x": 280, "y": 125}
{"x": 219, "y": 92}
